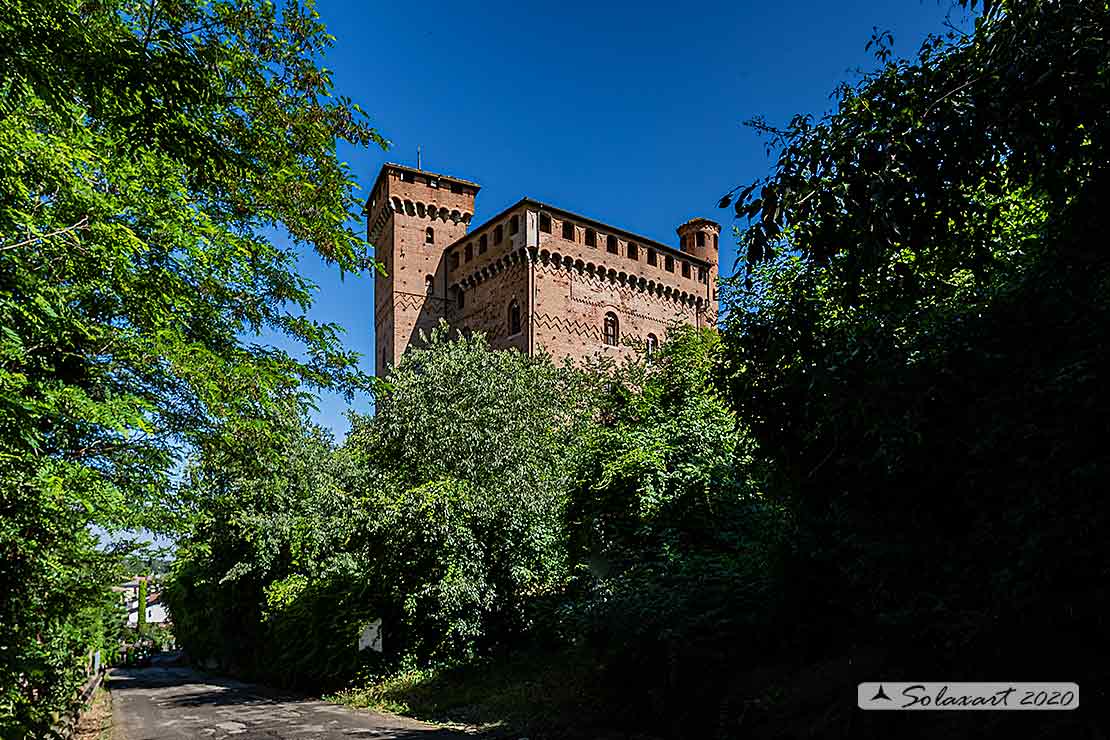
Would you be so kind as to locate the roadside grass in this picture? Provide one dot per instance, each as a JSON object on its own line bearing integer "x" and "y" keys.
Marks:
{"x": 539, "y": 694}
{"x": 96, "y": 721}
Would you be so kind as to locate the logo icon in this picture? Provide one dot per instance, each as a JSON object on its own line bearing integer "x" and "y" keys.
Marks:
{"x": 880, "y": 694}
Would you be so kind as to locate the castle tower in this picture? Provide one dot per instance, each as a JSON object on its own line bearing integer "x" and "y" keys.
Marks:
{"x": 700, "y": 237}
{"x": 411, "y": 216}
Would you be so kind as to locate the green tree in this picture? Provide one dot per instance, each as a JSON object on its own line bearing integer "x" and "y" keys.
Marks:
{"x": 140, "y": 626}
{"x": 256, "y": 505}
{"x": 919, "y": 338}
{"x": 152, "y": 155}
{"x": 442, "y": 515}
{"x": 464, "y": 473}
{"x": 675, "y": 548}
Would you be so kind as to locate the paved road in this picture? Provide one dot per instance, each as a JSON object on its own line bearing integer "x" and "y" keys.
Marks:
{"x": 179, "y": 703}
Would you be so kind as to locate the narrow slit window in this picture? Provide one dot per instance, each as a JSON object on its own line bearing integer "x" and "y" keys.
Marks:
{"x": 514, "y": 318}
{"x": 429, "y": 235}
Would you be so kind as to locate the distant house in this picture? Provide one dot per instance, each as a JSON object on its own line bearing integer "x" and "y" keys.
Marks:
{"x": 155, "y": 609}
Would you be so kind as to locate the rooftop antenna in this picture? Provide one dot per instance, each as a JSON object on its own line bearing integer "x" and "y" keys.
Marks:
{"x": 418, "y": 158}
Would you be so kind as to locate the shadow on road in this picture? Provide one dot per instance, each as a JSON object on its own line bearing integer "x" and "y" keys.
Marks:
{"x": 168, "y": 703}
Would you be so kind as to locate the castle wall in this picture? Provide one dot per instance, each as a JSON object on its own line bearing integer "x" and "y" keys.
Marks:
{"x": 486, "y": 305}
{"x": 576, "y": 285}
{"x": 491, "y": 279}
{"x": 384, "y": 333}
{"x": 410, "y": 299}
{"x": 571, "y": 304}
{"x": 622, "y": 262}
{"x": 565, "y": 272}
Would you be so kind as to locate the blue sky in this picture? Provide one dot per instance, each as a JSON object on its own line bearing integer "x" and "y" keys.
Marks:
{"x": 629, "y": 113}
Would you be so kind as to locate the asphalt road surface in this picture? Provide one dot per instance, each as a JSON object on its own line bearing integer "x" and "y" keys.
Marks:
{"x": 177, "y": 703}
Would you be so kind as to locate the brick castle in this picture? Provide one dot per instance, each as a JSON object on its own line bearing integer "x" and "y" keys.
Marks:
{"x": 534, "y": 277}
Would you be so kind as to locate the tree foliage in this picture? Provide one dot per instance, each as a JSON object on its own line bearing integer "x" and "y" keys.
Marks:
{"x": 442, "y": 516}
{"x": 676, "y": 548}
{"x": 920, "y": 333}
{"x": 144, "y": 590}
{"x": 150, "y": 155}
{"x": 470, "y": 457}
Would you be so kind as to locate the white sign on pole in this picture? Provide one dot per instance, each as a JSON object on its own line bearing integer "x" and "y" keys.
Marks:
{"x": 371, "y": 637}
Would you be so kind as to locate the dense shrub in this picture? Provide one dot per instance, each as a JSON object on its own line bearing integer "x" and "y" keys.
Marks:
{"x": 442, "y": 516}
{"x": 918, "y": 341}
{"x": 676, "y": 548}
{"x": 467, "y": 465}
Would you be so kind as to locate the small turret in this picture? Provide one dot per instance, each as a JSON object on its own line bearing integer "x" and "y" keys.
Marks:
{"x": 699, "y": 237}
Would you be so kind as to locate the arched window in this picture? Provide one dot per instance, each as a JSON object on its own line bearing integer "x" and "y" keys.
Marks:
{"x": 429, "y": 235}
{"x": 612, "y": 329}
{"x": 699, "y": 237}
{"x": 514, "y": 318}
{"x": 652, "y": 344}
{"x": 429, "y": 284}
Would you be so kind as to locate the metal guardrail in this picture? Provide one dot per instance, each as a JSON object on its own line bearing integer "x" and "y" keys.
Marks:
{"x": 65, "y": 726}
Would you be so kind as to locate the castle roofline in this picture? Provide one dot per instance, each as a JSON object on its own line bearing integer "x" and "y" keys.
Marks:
{"x": 426, "y": 173}
{"x": 698, "y": 221}
{"x": 586, "y": 220}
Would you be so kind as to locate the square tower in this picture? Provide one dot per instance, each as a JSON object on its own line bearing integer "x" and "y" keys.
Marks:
{"x": 411, "y": 217}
